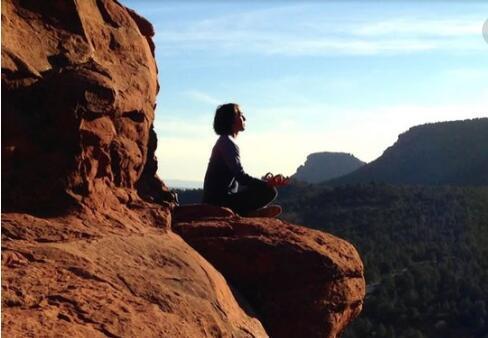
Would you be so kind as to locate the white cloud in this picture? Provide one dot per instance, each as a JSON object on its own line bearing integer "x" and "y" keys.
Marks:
{"x": 202, "y": 97}
{"x": 468, "y": 26}
{"x": 299, "y": 30}
{"x": 257, "y": 42}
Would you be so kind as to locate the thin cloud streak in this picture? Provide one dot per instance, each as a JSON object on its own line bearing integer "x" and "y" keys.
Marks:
{"x": 269, "y": 32}
{"x": 274, "y": 45}
{"x": 203, "y": 97}
{"x": 442, "y": 28}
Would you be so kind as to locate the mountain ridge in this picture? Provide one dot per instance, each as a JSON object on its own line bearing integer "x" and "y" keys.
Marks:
{"x": 450, "y": 152}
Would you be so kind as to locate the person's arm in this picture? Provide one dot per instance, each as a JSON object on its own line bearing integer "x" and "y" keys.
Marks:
{"x": 231, "y": 155}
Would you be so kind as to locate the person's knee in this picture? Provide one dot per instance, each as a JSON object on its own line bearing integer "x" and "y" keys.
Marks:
{"x": 260, "y": 196}
{"x": 270, "y": 193}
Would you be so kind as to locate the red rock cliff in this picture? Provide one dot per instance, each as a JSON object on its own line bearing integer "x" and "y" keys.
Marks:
{"x": 79, "y": 78}
{"x": 87, "y": 244}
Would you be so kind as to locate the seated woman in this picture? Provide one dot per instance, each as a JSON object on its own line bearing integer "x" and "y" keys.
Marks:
{"x": 225, "y": 172}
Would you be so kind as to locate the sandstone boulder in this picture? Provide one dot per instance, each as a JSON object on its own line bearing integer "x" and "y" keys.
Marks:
{"x": 300, "y": 282}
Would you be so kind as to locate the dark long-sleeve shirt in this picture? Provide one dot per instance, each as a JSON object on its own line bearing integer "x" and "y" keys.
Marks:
{"x": 225, "y": 172}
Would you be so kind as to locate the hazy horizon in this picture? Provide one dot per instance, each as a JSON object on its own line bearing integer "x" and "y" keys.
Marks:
{"x": 311, "y": 77}
{"x": 182, "y": 184}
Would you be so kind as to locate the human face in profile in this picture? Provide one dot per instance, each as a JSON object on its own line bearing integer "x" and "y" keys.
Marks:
{"x": 239, "y": 123}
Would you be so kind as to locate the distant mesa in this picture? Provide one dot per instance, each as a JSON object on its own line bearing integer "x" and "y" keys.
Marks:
{"x": 453, "y": 153}
{"x": 323, "y": 166}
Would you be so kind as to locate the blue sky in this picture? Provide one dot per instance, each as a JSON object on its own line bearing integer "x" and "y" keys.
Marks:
{"x": 311, "y": 76}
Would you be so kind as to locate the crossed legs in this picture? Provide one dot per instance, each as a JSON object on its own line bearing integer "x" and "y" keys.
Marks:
{"x": 251, "y": 199}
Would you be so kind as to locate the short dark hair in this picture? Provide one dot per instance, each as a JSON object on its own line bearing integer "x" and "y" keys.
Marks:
{"x": 224, "y": 118}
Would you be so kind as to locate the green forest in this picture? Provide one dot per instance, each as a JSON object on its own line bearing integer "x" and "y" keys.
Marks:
{"x": 425, "y": 250}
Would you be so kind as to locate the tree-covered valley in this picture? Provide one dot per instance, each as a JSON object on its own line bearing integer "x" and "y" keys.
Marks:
{"x": 425, "y": 251}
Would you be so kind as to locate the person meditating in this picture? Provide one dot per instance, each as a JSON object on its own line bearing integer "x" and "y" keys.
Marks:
{"x": 226, "y": 183}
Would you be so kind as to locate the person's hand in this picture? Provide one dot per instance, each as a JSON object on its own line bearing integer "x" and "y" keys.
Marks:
{"x": 276, "y": 180}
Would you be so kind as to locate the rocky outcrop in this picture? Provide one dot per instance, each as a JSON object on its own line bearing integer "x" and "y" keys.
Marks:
{"x": 300, "y": 282}
{"x": 81, "y": 83}
{"x": 68, "y": 283}
{"x": 87, "y": 244}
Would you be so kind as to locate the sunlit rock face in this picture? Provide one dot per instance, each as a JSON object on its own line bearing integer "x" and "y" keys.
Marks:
{"x": 80, "y": 82}
{"x": 114, "y": 285}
